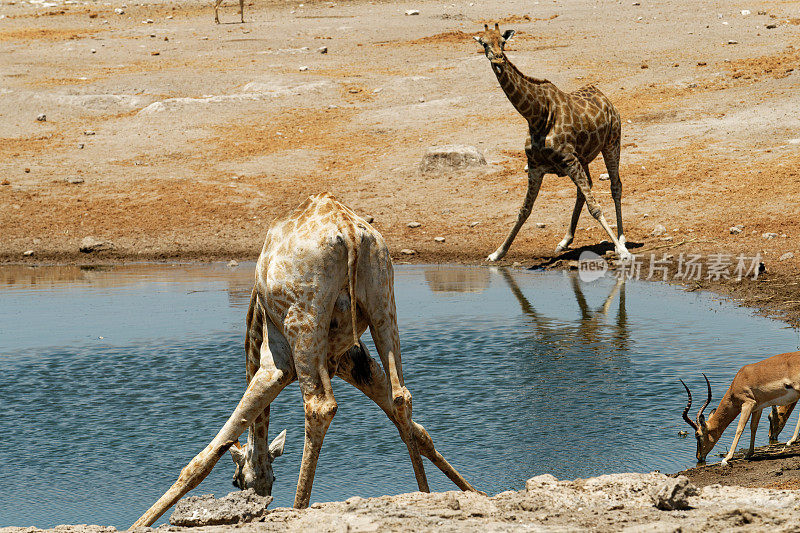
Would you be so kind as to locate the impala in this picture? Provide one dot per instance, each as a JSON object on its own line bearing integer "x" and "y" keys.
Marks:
{"x": 772, "y": 382}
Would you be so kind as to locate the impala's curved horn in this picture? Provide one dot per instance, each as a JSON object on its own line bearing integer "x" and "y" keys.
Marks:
{"x": 708, "y": 400}
{"x": 688, "y": 406}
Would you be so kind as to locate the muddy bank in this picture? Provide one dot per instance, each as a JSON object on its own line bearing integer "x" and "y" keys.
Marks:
{"x": 616, "y": 502}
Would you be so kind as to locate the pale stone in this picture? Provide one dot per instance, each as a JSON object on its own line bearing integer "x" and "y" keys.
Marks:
{"x": 451, "y": 157}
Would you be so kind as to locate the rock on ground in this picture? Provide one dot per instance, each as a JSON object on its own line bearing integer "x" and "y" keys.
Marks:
{"x": 451, "y": 157}
{"x": 658, "y": 231}
{"x": 90, "y": 244}
{"x": 235, "y": 508}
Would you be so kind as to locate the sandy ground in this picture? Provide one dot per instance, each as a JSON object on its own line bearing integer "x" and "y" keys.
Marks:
{"x": 176, "y": 138}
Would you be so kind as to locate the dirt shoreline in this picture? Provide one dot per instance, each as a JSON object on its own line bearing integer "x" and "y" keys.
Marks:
{"x": 614, "y": 502}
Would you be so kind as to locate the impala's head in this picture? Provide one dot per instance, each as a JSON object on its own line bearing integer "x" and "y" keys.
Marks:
{"x": 705, "y": 440}
{"x": 253, "y": 469}
{"x": 777, "y": 419}
{"x": 494, "y": 42}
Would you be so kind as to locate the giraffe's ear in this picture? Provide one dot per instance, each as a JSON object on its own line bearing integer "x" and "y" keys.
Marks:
{"x": 508, "y": 34}
{"x": 477, "y": 38}
{"x": 276, "y": 447}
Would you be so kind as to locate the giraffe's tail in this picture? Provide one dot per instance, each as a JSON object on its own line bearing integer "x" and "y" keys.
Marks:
{"x": 352, "y": 266}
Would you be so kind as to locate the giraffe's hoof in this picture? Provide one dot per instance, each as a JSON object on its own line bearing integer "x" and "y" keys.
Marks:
{"x": 724, "y": 462}
{"x": 496, "y": 256}
{"x": 624, "y": 255}
{"x": 622, "y": 241}
{"x": 563, "y": 245}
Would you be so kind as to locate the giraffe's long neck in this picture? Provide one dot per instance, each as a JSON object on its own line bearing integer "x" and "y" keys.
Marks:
{"x": 530, "y": 96}
{"x": 257, "y": 443}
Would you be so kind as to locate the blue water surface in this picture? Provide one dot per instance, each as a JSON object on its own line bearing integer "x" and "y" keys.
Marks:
{"x": 112, "y": 379}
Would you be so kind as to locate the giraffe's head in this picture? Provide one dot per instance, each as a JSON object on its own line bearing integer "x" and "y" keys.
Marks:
{"x": 494, "y": 42}
{"x": 254, "y": 467}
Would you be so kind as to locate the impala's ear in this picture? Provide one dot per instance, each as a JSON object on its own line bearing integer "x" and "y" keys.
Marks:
{"x": 712, "y": 412}
{"x": 508, "y": 34}
{"x": 276, "y": 446}
{"x": 236, "y": 453}
{"x": 701, "y": 420}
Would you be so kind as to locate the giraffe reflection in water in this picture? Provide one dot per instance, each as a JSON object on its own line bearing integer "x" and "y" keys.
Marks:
{"x": 592, "y": 323}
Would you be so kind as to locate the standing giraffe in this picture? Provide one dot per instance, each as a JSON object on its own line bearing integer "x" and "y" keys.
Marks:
{"x": 324, "y": 275}
{"x": 567, "y": 131}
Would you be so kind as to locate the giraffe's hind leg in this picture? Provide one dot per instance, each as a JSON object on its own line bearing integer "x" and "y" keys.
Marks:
{"x": 381, "y": 315}
{"x": 363, "y": 372}
{"x": 575, "y": 171}
{"x": 611, "y": 159}
{"x": 576, "y": 214}
{"x": 320, "y": 407}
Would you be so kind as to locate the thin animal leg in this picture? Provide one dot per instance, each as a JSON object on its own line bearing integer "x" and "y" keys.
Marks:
{"x": 216, "y": 10}
{"x": 241, "y": 9}
{"x": 363, "y": 372}
{"x": 310, "y": 350}
{"x": 263, "y": 388}
{"x": 535, "y": 175}
{"x": 611, "y": 158}
{"x": 754, "y": 418}
{"x": 796, "y": 433}
{"x": 747, "y": 408}
{"x": 573, "y": 223}
{"x": 575, "y": 171}
{"x": 381, "y": 315}
{"x": 266, "y": 347}
{"x": 777, "y": 420}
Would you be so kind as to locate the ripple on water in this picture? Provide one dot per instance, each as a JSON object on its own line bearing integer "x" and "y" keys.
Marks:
{"x": 513, "y": 373}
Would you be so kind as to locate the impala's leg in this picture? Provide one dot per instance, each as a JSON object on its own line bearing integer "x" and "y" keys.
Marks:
{"x": 747, "y": 408}
{"x": 535, "y": 175}
{"x": 216, "y": 10}
{"x": 754, "y": 418}
{"x": 774, "y": 425}
{"x": 262, "y": 389}
{"x": 796, "y": 432}
{"x": 573, "y": 223}
{"x": 777, "y": 420}
{"x": 361, "y": 371}
{"x": 611, "y": 158}
{"x": 575, "y": 171}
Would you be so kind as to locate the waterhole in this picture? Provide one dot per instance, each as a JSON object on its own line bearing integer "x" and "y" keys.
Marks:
{"x": 112, "y": 379}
